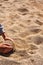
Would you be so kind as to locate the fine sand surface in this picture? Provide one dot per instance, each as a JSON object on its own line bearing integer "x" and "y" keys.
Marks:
{"x": 23, "y": 22}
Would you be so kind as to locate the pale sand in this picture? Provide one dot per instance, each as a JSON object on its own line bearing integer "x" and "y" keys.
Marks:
{"x": 23, "y": 22}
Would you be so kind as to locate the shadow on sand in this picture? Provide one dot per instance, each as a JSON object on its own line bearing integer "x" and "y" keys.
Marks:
{"x": 7, "y": 54}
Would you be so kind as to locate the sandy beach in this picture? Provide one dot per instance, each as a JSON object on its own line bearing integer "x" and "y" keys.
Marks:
{"x": 23, "y": 22}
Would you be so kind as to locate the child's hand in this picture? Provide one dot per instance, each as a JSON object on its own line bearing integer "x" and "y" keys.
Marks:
{"x": 5, "y": 48}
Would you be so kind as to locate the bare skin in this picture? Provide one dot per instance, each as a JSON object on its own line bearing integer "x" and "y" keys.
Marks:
{"x": 5, "y": 37}
{"x": 5, "y": 48}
